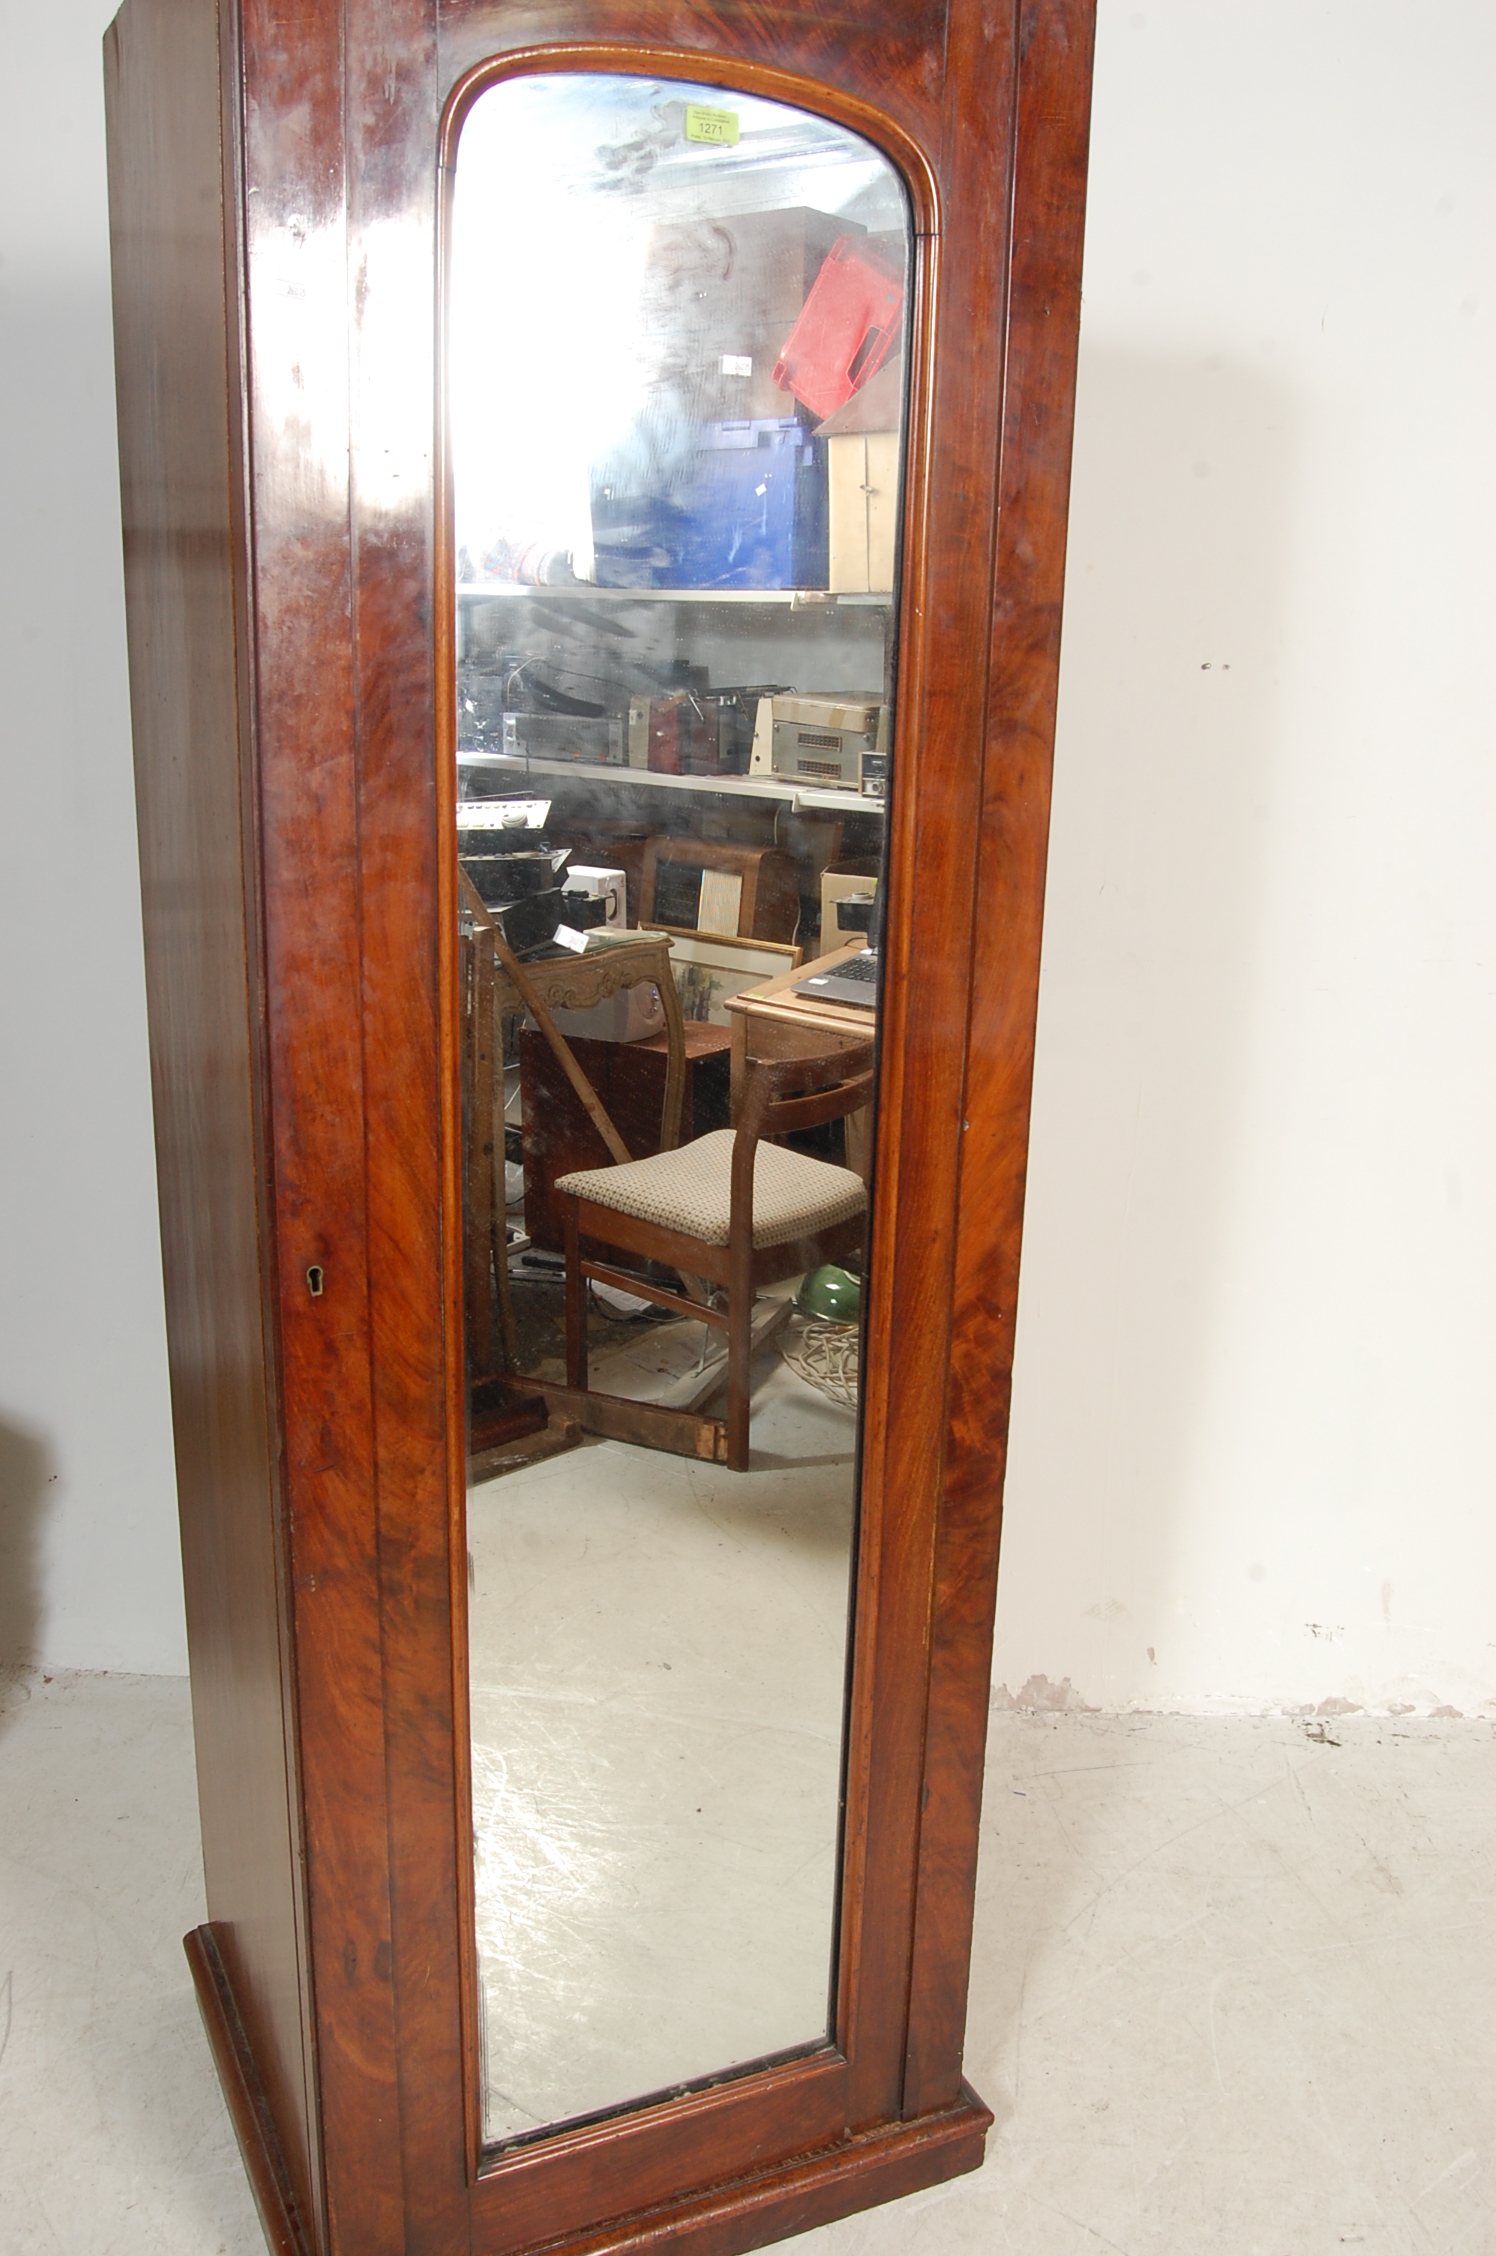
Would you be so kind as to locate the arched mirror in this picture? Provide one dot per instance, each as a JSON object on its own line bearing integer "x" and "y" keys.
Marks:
{"x": 675, "y": 324}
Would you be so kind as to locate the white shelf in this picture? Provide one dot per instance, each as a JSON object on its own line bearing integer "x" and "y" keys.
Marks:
{"x": 801, "y": 798}
{"x": 797, "y": 599}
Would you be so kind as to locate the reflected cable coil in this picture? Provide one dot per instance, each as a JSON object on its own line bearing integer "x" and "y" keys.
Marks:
{"x": 826, "y": 1356}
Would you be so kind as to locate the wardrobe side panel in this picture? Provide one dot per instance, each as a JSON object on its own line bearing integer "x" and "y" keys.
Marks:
{"x": 177, "y": 363}
{"x": 1055, "y": 40}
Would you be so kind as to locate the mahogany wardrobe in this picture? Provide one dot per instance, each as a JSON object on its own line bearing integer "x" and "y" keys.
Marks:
{"x": 595, "y": 479}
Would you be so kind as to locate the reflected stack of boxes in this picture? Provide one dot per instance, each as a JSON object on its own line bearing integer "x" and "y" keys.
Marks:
{"x": 721, "y": 483}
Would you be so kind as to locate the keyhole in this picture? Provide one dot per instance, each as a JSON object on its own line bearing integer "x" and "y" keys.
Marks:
{"x": 314, "y": 1281}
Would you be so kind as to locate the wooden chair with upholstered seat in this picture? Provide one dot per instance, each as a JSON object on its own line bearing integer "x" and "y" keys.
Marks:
{"x": 731, "y": 1208}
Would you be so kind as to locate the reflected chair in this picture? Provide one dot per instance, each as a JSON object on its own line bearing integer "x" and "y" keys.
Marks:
{"x": 731, "y": 1209}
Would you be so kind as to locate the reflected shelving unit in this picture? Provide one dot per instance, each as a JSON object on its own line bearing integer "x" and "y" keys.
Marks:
{"x": 807, "y": 640}
{"x": 794, "y": 599}
{"x": 516, "y": 768}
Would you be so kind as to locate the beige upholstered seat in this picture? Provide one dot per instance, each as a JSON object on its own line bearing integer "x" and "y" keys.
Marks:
{"x": 733, "y": 1211}
{"x": 690, "y": 1191}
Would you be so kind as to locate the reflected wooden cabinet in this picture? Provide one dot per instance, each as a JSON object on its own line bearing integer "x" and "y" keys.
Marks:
{"x": 522, "y": 409}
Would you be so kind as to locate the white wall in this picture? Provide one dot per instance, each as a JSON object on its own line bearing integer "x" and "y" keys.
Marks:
{"x": 1256, "y": 1326}
{"x": 88, "y": 1547}
{"x": 1252, "y": 1423}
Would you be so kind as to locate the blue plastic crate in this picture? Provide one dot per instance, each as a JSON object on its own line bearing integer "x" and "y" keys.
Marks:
{"x": 746, "y": 507}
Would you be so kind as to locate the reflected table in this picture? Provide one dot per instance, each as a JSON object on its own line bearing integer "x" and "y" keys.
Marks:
{"x": 772, "y": 1021}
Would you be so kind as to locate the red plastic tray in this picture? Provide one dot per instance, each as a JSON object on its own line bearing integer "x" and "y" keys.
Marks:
{"x": 847, "y": 327}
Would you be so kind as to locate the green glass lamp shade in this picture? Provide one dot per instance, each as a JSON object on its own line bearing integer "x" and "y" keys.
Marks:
{"x": 830, "y": 1293}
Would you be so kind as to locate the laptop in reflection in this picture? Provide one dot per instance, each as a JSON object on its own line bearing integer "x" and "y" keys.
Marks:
{"x": 855, "y": 981}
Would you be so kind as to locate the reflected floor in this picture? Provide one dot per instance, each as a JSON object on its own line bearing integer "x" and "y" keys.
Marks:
{"x": 657, "y": 1663}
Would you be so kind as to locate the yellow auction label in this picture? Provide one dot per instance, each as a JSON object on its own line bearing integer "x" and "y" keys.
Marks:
{"x": 703, "y": 124}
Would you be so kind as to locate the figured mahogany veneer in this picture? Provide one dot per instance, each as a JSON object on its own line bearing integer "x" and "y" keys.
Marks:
{"x": 277, "y": 173}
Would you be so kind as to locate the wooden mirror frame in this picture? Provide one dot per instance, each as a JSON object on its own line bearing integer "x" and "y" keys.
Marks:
{"x": 276, "y": 205}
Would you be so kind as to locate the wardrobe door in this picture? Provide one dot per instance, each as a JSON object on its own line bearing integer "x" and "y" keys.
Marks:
{"x": 648, "y": 439}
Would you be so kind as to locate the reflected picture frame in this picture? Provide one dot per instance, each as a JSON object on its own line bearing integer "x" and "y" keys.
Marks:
{"x": 718, "y": 968}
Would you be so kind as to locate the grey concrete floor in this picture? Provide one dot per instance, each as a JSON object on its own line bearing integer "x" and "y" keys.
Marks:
{"x": 657, "y": 1673}
{"x": 1233, "y": 1991}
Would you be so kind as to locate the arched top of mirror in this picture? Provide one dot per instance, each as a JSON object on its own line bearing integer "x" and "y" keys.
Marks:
{"x": 635, "y": 218}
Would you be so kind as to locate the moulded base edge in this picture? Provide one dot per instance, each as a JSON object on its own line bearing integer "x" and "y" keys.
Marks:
{"x": 723, "y": 2220}
{"x": 249, "y": 2108}
{"x": 797, "y": 2195}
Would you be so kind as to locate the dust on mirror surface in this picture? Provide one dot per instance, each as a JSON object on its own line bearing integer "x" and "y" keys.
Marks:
{"x": 676, "y": 323}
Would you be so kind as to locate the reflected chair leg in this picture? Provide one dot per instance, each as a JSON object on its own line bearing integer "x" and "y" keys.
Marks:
{"x": 576, "y": 1304}
{"x": 739, "y": 1340}
{"x": 506, "y": 1298}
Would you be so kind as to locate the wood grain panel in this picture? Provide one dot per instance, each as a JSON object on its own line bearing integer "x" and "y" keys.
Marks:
{"x": 281, "y": 2214}
{"x": 886, "y": 63}
{"x": 1028, "y": 583}
{"x": 814, "y": 2189}
{"x": 392, "y": 126}
{"x": 931, "y": 884}
{"x": 297, "y": 283}
{"x": 181, "y": 469}
{"x": 568, "y": 2184}
{"x": 892, "y": 55}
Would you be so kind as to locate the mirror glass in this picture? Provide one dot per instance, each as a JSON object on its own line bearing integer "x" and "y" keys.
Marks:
{"x": 675, "y": 353}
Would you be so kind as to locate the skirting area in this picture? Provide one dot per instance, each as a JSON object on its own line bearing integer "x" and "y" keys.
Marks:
{"x": 1234, "y": 1991}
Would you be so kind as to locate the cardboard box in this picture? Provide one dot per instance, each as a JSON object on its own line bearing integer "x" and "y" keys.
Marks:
{"x": 862, "y": 478}
{"x": 728, "y": 293}
{"x": 836, "y": 884}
